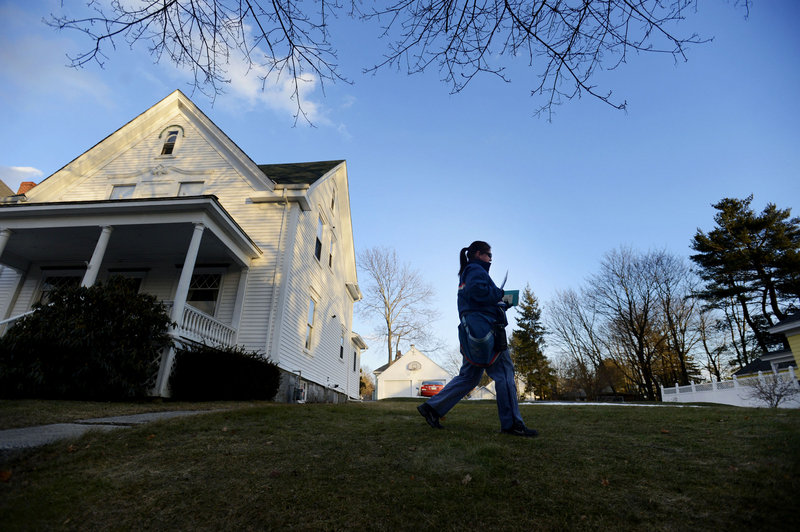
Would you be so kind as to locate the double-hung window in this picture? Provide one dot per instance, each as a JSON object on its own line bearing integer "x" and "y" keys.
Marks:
{"x": 190, "y": 188}
{"x": 54, "y": 282}
{"x": 310, "y": 325}
{"x": 318, "y": 245}
{"x": 204, "y": 292}
{"x": 122, "y": 191}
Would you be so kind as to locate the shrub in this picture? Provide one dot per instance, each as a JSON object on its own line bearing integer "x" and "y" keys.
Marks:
{"x": 97, "y": 343}
{"x": 205, "y": 373}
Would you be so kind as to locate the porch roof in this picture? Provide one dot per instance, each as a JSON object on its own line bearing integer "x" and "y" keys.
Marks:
{"x": 148, "y": 230}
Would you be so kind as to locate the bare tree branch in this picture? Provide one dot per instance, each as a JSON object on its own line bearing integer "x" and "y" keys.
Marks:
{"x": 565, "y": 42}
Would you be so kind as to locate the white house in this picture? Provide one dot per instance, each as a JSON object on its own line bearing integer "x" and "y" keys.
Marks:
{"x": 404, "y": 376}
{"x": 489, "y": 391}
{"x": 256, "y": 255}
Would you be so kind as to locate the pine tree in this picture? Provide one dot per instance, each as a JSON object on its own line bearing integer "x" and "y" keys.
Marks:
{"x": 527, "y": 348}
{"x": 752, "y": 259}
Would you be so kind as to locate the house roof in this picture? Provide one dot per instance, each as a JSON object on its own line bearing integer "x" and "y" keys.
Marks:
{"x": 787, "y": 325}
{"x": 298, "y": 173}
{"x": 5, "y": 190}
{"x": 383, "y": 368}
{"x": 764, "y": 363}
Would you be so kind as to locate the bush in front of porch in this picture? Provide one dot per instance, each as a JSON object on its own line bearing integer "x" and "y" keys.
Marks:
{"x": 102, "y": 342}
{"x": 206, "y": 373}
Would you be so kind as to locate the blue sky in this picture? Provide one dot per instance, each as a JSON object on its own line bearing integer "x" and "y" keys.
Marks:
{"x": 430, "y": 172}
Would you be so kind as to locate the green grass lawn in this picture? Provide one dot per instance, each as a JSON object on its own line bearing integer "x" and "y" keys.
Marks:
{"x": 378, "y": 466}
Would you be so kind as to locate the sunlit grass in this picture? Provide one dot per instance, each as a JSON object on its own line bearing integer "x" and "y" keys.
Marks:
{"x": 378, "y": 466}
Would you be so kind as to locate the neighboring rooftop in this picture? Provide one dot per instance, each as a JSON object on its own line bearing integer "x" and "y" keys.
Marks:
{"x": 764, "y": 363}
{"x": 298, "y": 173}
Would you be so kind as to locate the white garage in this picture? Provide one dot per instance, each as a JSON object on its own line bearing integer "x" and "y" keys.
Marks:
{"x": 404, "y": 376}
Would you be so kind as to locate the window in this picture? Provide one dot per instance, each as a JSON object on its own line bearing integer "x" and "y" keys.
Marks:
{"x": 204, "y": 292}
{"x": 169, "y": 144}
{"x": 310, "y": 328}
{"x": 330, "y": 255}
{"x": 318, "y": 246}
{"x": 333, "y": 200}
{"x": 355, "y": 361}
{"x": 54, "y": 282}
{"x": 341, "y": 348}
{"x": 122, "y": 191}
{"x": 191, "y": 188}
{"x": 133, "y": 278}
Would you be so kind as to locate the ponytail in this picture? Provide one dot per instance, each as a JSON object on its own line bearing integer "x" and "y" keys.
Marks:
{"x": 462, "y": 259}
{"x": 468, "y": 254}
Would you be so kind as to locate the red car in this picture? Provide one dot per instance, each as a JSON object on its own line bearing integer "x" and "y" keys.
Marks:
{"x": 430, "y": 388}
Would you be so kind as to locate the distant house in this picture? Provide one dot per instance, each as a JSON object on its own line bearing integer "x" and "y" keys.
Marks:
{"x": 5, "y": 190}
{"x": 790, "y": 328}
{"x": 778, "y": 360}
{"x": 768, "y": 363}
{"x": 259, "y": 255}
{"x": 489, "y": 391}
{"x": 781, "y": 364}
{"x": 404, "y": 376}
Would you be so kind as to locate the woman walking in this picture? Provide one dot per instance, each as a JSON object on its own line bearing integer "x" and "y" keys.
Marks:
{"x": 482, "y": 338}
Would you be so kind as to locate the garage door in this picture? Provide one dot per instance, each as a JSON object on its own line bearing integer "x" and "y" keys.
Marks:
{"x": 399, "y": 388}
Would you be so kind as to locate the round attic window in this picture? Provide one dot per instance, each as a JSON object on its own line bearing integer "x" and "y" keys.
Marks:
{"x": 414, "y": 365}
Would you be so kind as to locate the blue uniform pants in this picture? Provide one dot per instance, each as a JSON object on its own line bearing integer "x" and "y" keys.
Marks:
{"x": 502, "y": 372}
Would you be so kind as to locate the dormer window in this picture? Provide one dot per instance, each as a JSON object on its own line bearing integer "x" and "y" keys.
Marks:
{"x": 169, "y": 144}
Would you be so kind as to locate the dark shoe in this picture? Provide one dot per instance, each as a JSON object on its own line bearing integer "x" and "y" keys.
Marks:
{"x": 430, "y": 415}
{"x": 521, "y": 430}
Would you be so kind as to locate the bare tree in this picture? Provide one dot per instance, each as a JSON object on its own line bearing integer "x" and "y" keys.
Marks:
{"x": 398, "y": 296}
{"x": 625, "y": 293}
{"x": 564, "y": 42}
{"x": 675, "y": 285}
{"x": 773, "y": 389}
{"x": 712, "y": 338}
{"x": 452, "y": 361}
{"x": 576, "y": 331}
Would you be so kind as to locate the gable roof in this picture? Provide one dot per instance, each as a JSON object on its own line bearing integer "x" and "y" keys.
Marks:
{"x": 399, "y": 364}
{"x": 5, "y": 190}
{"x": 298, "y": 173}
{"x": 142, "y": 125}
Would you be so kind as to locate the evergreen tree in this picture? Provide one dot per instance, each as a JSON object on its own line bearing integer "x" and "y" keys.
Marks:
{"x": 752, "y": 259}
{"x": 527, "y": 348}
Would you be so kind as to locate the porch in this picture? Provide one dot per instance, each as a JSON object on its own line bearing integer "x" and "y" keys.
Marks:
{"x": 188, "y": 252}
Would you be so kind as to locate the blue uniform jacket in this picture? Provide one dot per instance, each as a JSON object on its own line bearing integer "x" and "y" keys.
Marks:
{"x": 478, "y": 299}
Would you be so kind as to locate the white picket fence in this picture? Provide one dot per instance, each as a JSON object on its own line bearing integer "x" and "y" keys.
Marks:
{"x": 735, "y": 392}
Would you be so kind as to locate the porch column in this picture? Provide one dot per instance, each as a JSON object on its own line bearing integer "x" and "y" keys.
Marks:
{"x": 179, "y": 303}
{"x": 5, "y": 234}
{"x": 237, "y": 307}
{"x": 97, "y": 257}
{"x": 186, "y": 274}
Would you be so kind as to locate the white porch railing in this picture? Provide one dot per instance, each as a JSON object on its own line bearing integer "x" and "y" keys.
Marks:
{"x": 6, "y": 324}
{"x": 195, "y": 325}
{"x": 735, "y": 392}
{"x": 200, "y": 327}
